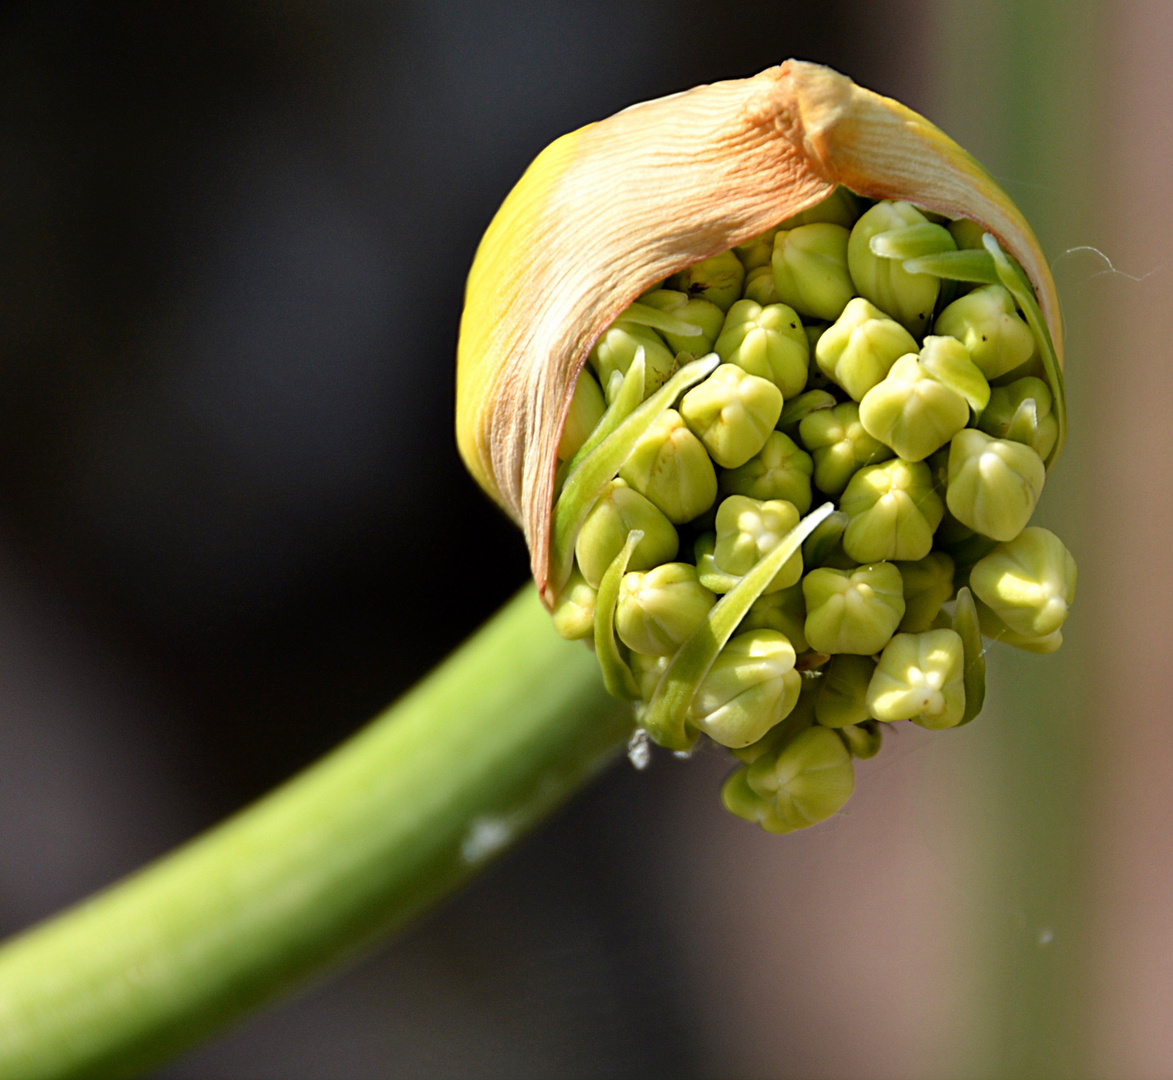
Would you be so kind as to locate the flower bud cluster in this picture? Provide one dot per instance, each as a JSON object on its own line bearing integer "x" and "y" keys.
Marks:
{"x": 825, "y": 452}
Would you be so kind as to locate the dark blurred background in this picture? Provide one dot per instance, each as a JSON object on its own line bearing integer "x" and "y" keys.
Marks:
{"x": 233, "y": 526}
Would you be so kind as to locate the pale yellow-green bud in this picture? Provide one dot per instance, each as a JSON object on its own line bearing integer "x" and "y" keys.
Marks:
{"x": 747, "y": 531}
{"x": 908, "y": 298}
{"x": 853, "y": 611}
{"x": 784, "y": 611}
{"x": 919, "y": 678}
{"x": 669, "y": 465}
{"x": 751, "y": 686}
{"x": 839, "y": 445}
{"x": 863, "y": 740}
{"x": 911, "y": 411}
{"x": 859, "y": 348}
{"x": 756, "y": 253}
{"x": 947, "y": 360}
{"x": 718, "y": 279}
{"x": 843, "y": 691}
{"x": 801, "y": 717}
{"x": 616, "y": 349}
{"x": 766, "y": 341}
{"x": 732, "y": 413}
{"x": 586, "y": 410}
{"x": 808, "y": 781}
{"x": 574, "y": 610}
{"x": 618, "y": 511}
{"x": 695, "y": 310}
{"x": 658, "y": 610}
{"x": 928, "y": 583}
{"x": 893, "y": 510}
{"x": 841, "y": 207}
{"x": 994, "y": 484}
{"x": 1029, "y": 582}
{"x": 647, "y": 671}
{"x": 810, "y": 270}
{"x": 1022, "y": 412}
{"x": 986, "y": 323}
{"x": 967, "y": 235}
{"x": 780, "y": 470}
{"x": 824, "y": 546}
{"x": 996, "y": 630}
{"x": 759, "y": 285}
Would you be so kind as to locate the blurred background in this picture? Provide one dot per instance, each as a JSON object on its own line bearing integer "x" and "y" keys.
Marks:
{"x": 233, "y": 525}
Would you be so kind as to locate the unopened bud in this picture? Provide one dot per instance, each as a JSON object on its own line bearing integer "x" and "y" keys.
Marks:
{"x": 647, "y": 671}
{"x": 784, "y": 611}
{"x": 756, "y": 253}
{"x": 863, "y": 740}
{"x": 618, "y": 511}
{"x": 586, "y": 410}
{"x": 911, "y": 411}
{"x": 732, "y": 412}
{"x": 860, "y": 347}
{"x": 810, "y": 270}
{"x": 669, "y": 466}
{"x": 695, "y": 310}
{"x": 747, "y": 531}
{"x": 658, "y": 610}
{"x": 574, "y": 610}
{"x": 1022, "y": 413}
{"x": 766, "y": 341}
{"x": 893, "y": 510}
{"x": 986, "y": 323}
{"x": 759, "y": 285}
{"x": 808, "y": 781}
{"x": 1029, "y": 582}
{"x": 616, "y": 349}
{"x": 751, "y": 686}
{"x": 853, "y": 611}
{"x": 994, "y": 484}
{"x": 843, "y": 691}
{"x": 993, "y": 627}
{"x": 841, "y": 207}
{"x": 919, "y": 678}
{"x": 948, "y": 361}
{"x": 824, "y": 546}
{"x": 928, "y": 583}
{"x": 780, "y": 470}
{"x": 718, "y": 279}
{"x": 839, "y": 445}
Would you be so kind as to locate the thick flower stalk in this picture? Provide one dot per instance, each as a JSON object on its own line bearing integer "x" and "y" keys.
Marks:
{"x": 770, "y": 374}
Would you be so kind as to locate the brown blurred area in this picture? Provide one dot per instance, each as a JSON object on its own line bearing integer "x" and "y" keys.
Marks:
{"x": 233, "y": 526}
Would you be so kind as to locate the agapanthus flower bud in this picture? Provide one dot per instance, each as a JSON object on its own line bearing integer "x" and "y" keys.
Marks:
{"x": 810, "y": 269}
{"x": 911, "y": 411}
{"x": 660, "y": 608}
{"x": 617, "y": 348}
{"x": 747, "y": 531}
{"x": 1022, "y": 413}
{"x": 574, "y": 610}
{"x": 783, "y": 610}
{"x": 586, "y": 410}
{"x": 863, "y": 740}
{"x": 928, "y": 583}
{"x": 853, "y": 611}
{"x": 994, "y": 484}
{"x": 718, "y": 279}
{"x": 780, "y": 470}
{"x": 759, "y": 285}
{"x": 919, "y": 678}
{"x": 986, "y": 323}
{"x": 751, "y": 686}
{"x": 619, "y": 511}
{"x": 1029, "y": 582}
{"x": 670, "y": 467}
{"x": 893, "y": 512}
{"x": 839, "y": 445}
{"x": 860, "y": 347}
{"x": 733, "y": 413}
{"x": 755, "y": 254}
{"x": 843, "y": 691}
{"x": 695, "y": 310}
{"x": 766, "y": 341}
{"x": 947, "y": 360}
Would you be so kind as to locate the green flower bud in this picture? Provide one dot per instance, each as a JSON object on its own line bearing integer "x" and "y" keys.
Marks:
{"x": 841, "y": 207}
{"x": 908, "y": 298}
{"x": 647, "y": 671}
{"x": 843, "y": 691}
{"x": 1022, "y": 413}
{"x": 780, "y": 470}
{"x": 859, "y": 348}
{"x": 986, "y": 323}
{"x": 747, "y": 531}
{"x": 863, "y": 740}
{"x": 806, "y": 782}
{"x": 839, "y": 445}
{"x": 618, "y": 511}
{"x": 967, "y": 235}
{"x": 1028, "y": 582}
{"x": 574, "y": 610}
{"x": 733, "y": 413}
{"x": 695, "y": 310}
{"x": 911, "y": 411}
{"x": 784, "y": 611}
{"x": 801, "y": 717}
{"x": 669, "y": 466}
{"x": 586, "y": 410}
{"x": 796, "y": 408}
{"x": 919, "y": 678}
{"x": 810, "y": 270}
{"x": 759, "y": 285}
{"x": 718, "y": 279}
{"x": 615, "y": 350}
{"x": 658, "y": 610}
{"x": 996, "y": 630}
{"x": 853, "y": 611}
{"x": 824, "y": 546}
{"x": 947, "y": 360}
{"x": 994, "y": 484}
{"x": 893, "y": 510}
{"x": 766, "y": 341}
{"x": 756, "y": 253}
{"x": 928, "y": 583}
{"x": 751, "y": 686}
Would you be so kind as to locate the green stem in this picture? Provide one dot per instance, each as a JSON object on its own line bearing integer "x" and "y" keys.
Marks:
{"x": 392, "y": 821}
